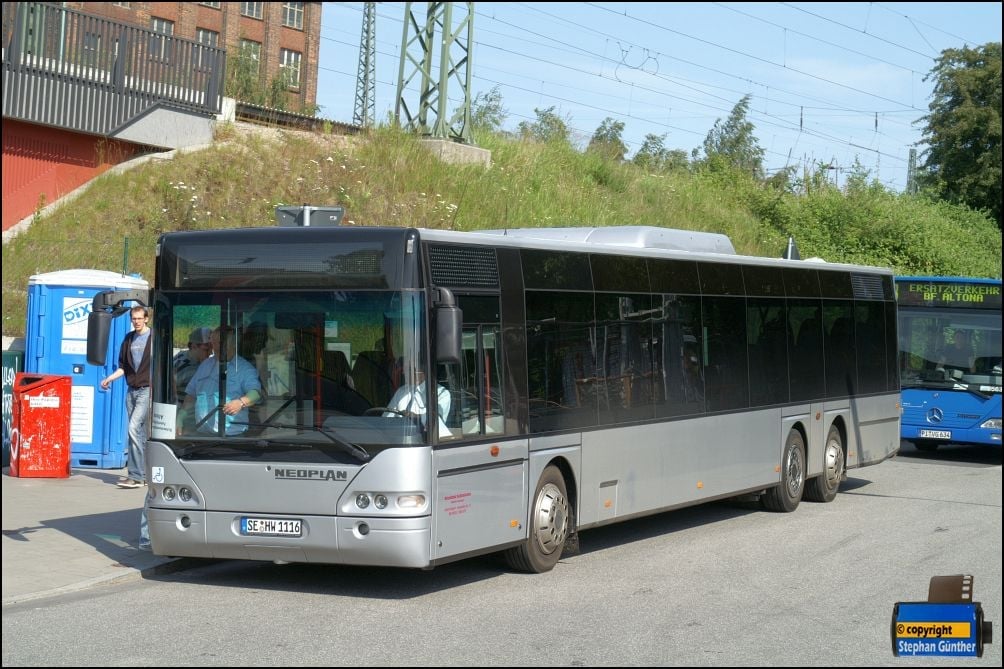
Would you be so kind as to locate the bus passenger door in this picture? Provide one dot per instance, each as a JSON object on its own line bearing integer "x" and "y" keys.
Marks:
{"x": 480, "y": 497}
{"x": 481, "y": 489}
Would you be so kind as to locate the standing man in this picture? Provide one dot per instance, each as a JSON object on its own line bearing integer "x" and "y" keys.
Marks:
{"x": 134, "y": 364}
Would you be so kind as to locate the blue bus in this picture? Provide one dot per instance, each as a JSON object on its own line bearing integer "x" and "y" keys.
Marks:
{"x": 950, "y": 360}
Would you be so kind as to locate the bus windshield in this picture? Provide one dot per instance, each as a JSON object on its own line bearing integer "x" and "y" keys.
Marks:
{"x": 946, "y": 348}
{"x": 248, "y": 374}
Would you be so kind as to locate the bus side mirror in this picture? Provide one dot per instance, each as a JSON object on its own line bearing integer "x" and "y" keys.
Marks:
{"x": 99, "y": 324}
{"x": 449, "y": 322}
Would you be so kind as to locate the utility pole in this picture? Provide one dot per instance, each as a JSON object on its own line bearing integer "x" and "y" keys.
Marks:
{"x": 419, "y": 44}
{"x": 911, "y": 173}
{"x": 365, "y": 107}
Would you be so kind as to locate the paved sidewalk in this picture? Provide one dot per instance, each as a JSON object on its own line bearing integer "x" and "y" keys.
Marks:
{"x": 61, "y": 535}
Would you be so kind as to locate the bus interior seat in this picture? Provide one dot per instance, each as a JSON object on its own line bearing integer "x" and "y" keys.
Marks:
{"x": 336, "y": 392}
{"x": 371, "y": 379}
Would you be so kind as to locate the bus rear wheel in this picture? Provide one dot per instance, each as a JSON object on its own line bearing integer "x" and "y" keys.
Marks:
{"x": 785, "y": 496}
{"x": 823, "y": 488}
{"x": 549, "y": 521}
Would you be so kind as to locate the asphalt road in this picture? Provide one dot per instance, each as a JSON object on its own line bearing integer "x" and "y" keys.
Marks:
{"x": 721, "y": 584}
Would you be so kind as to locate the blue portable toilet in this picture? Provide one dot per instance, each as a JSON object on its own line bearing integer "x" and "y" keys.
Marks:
{"x": 56, "y": 343}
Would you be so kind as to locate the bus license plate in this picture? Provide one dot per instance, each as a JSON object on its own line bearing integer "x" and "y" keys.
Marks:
{"x": 935, "y": 434}
{"x": 271, "y": 527}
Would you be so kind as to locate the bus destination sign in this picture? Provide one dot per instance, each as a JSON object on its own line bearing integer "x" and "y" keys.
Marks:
{"x": 948, "y": 294}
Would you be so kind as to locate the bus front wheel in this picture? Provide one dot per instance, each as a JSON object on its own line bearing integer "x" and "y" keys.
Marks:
{"x": 786, "y": 495}
{"x": 823, "y": 488}
{"x": 549, "y": 521}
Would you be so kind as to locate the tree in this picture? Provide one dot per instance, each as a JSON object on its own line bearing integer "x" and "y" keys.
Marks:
{"x": 487, "y": 112}
{"x": 549, "y": 127}
{"x": 962, "y": 162}
{"x": 608, "y": 140}
{"x": 733, "y": 142}
{"x": 655, "y": 157}
{"x": 244, "y": 83}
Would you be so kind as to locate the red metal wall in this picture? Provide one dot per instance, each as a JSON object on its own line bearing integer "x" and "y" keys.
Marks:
{"x": 42, "y": 164}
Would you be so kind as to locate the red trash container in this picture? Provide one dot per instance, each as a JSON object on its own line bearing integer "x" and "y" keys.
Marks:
{"x": 40, "y": 426}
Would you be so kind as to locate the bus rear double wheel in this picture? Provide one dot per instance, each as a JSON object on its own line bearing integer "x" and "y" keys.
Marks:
{"x": 785, "y": 496}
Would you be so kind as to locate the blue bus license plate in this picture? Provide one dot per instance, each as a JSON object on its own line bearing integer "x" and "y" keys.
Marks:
{"x": 934, "y": 434}
{"x": 271, "y": 527}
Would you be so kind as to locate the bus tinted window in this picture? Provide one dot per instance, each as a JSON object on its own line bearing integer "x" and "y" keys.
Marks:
{"x": 838, "y": 339}
{"x": 870, "y": 340}
{"x": 721, "y": 279}
{"x": 805, "y": 343}
{"x": 799, "y": 282}
{"x": 674, "y": 276}
{"x": 619, "y": 273}
{"x": 678, "y": 346}
{"x": 725, "y": 368}
{"x": 559, "y": 356}
{"x": 768, "y": 351}
{"x": 554, "y": 270}
{"x": 835, "y": 284}
{"x": 623, "y": 383}
{"x": 765, "y": 281}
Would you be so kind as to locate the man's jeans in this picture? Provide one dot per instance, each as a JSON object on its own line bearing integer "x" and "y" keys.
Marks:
{"x": 138, "y": 409}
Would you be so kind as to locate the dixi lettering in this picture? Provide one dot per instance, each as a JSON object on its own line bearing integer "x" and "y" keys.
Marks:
{"x": 77, "y": 313}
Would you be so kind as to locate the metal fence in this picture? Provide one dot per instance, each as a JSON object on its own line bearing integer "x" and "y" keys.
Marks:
{"x": 82, "y": 72}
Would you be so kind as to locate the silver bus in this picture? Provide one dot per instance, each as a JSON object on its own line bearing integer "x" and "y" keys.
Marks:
{"x": 566, "y": 378}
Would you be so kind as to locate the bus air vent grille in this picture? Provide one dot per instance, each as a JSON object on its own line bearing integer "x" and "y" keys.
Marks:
{"x": 458, "y": 266}
{"x": 867, "y": 287}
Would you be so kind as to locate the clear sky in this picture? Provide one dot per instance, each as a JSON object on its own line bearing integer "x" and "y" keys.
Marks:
{"x": 830, "y": 83}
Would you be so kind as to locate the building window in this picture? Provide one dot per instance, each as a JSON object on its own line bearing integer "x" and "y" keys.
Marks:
{"x": 251, "y": 54}
{"x": 252, "y": 9}
{"x": 292, "y": 15}
{"x": 207, "y": 37}
{"x": 289, "y": 61}
{"x": 160, "y": 47}
{"x": 127, "y": 5}
{"x": 214, "y": 5}
{"x": 205, "y": 58}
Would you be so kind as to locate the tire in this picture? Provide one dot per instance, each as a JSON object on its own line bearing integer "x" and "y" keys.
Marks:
{"x": 926, "y": 446}
{"x": 549, "y": 525}
{"x": 823, "y": 488}
{"x": 785, "y": 496}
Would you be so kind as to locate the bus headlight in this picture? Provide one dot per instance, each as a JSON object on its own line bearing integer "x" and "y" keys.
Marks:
{"x": 169, "y": 493}
{"x": 411, "y": 501}
{"x": 387, "y": 502}
{"x": 992, "y": 424}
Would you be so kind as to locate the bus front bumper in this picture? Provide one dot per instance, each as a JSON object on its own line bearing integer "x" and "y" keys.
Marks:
{"x": 384, "y": 542}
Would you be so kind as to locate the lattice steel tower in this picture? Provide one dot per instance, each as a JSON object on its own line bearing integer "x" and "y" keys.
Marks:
{"x": 421, "y": 49}
{"x": 365, "y": 107}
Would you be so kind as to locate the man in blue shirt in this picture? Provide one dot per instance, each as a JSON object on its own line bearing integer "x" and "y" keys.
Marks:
{"x": 243, "y": 388}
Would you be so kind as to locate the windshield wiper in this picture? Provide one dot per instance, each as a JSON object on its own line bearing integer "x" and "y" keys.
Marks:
{"x": 252, "y": 446}
{"x": 973, "y": 388}
{"x": 357, "y": 452}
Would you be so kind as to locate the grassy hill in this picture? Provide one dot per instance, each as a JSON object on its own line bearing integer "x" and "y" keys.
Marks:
{"x": 388, "y": 178}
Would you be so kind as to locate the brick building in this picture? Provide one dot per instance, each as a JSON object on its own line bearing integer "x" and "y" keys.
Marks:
{"x": 274, "y": 34}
